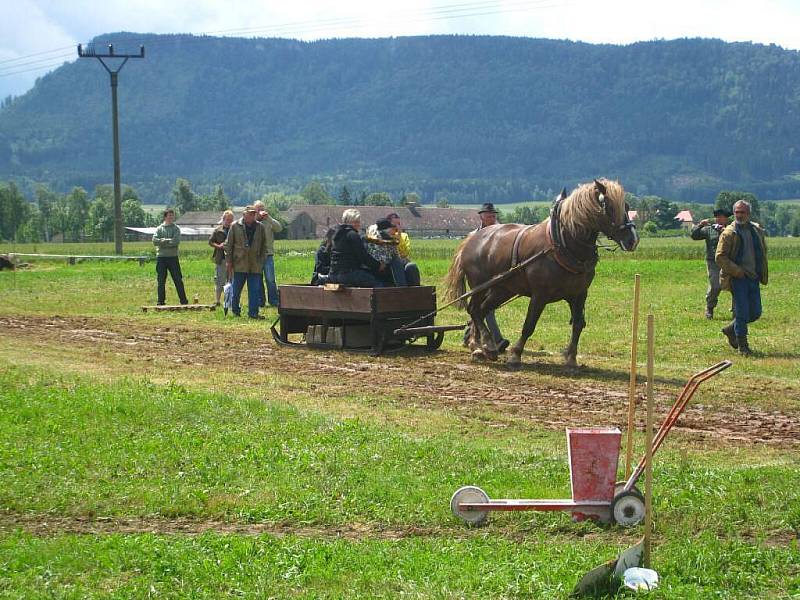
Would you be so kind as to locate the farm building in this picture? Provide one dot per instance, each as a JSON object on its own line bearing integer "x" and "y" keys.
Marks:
{"x": 684, "y": 219}
{"x": 312, "y": 221}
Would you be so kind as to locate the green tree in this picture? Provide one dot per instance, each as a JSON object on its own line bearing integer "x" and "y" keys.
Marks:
{"x": 663, "y": 213}
{"x": 101, "y": 218}
{"x": 14, "y": 210}
{"x": 133, "y": 214}
{"x": 77, "y": 212}
{"x": 219, "y": 200}
{"x": 726, "y": 199}
{"x": 185, "y": 199}
{"x": 315, "y": 193}
{"x": 378, "y": 199}
{"x": 46, "y": 201}
{"x": 442, "y": 202}
{"x": 344, "y": 199}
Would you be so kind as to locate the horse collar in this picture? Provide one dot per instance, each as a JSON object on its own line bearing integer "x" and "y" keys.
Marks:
{"x": 562, "y": 255}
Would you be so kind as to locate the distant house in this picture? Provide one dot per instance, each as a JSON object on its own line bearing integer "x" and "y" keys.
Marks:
{"x": 684, "y": 219}
{"x": 312, "y": 221}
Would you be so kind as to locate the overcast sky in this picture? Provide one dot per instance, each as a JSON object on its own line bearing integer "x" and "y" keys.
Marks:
{"x": 38, "y": 35}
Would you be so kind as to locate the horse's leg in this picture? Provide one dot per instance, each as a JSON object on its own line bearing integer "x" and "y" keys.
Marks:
{"x": 482, "y": 345}
{"x": 578, "y": 320}
{"x": 535, "y": 308}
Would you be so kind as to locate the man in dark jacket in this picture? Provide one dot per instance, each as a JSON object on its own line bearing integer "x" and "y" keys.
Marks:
{"x": 710, "y": 232}
{"x": 742, "y": 258}
{"x": 350, "y": 262}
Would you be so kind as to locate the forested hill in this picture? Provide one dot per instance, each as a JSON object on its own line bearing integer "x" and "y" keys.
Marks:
{"x": 505, "y": 116}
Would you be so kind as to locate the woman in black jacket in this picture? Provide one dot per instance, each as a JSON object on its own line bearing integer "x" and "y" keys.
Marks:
{"x": 351, "y": 264}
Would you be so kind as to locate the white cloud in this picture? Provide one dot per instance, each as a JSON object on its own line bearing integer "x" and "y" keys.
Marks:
{"x": 31, "y": 26}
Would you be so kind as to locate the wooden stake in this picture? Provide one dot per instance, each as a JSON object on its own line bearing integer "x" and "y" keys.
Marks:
{"x": 632, "y": 382}
{"x": 648, "y": 489}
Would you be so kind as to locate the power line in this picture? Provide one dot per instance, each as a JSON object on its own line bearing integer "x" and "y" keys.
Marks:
{"x": 308, "y": 27}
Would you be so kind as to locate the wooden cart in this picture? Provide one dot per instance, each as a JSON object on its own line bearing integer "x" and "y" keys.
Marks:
{"x": 371, "y": 319}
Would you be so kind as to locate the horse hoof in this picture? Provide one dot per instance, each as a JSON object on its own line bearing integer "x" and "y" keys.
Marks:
{"x": 571, "y": 362}
{"x": 491, "y": 355}
{"x": 478, "y": 355}
{"x": 513, "y": 365}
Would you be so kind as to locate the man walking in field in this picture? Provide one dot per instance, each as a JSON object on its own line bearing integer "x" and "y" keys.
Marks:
{"x": 742, "y": 257}
{"x": 710, "y": 232}
{"x": 488, "y": 217}
{"x": 166, "y": 240}
{"x": 245, "y": 250}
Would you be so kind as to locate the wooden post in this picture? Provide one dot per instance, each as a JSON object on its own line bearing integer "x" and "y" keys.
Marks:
{"x": 632, "y": 381}
{"x": 648, "y": 486}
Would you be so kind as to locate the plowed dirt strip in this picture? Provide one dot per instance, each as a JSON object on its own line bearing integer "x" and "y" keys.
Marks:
{"x": 47, "y": 525}
{"x": 51, "y": 525}
{"x": 439, "y": 380}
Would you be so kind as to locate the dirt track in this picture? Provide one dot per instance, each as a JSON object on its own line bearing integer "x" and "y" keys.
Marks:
{"x": 444, "y": 379}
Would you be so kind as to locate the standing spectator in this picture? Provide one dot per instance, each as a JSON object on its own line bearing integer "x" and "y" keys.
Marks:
{"x": 488, "y": 217}
{"x": 742, "y": 257}
{"x": 710, "y": 232}
{"x": 166, "y": 240}
{"x": 271, "y": 227}
{"x": 351, "y": 264}
{"x": 245, "y": 249}
{"x": 217, "y": 242}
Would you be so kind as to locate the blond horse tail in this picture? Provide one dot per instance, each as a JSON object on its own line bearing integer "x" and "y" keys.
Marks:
{"x": 455, "y": 281}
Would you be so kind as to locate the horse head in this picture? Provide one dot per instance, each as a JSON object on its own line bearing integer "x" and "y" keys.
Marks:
{"x": 615, "y": 222}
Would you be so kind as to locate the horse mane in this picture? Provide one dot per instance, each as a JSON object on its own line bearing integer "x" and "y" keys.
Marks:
{"x": 581, "y": 212}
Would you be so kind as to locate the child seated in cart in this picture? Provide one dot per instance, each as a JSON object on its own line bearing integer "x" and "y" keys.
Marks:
{"x": 382, "y": 243}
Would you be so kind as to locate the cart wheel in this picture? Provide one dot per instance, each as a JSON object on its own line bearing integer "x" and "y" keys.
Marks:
{"x": 469, "y": 493}
{"x": 627, "y": 509}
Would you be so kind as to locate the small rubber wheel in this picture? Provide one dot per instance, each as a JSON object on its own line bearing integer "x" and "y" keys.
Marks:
{"x": 469, "y": 494}
{"x": 627, "y": 509}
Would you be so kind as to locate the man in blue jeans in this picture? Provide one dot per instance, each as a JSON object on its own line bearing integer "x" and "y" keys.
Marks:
{"x": 742, "y": 258}
{"x": 271, "y": 227}
{"x": 245, "y": 249}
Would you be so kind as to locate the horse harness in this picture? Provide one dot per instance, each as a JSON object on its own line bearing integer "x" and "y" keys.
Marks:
{"x": 562, "y": 255}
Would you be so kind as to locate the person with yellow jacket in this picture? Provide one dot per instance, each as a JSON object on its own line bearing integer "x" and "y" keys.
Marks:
{"x": 742, "y": 258}
{"x": 245, "y": 250}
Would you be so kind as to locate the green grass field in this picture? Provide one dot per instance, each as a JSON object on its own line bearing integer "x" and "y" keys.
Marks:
{"x": 135, "y": 467}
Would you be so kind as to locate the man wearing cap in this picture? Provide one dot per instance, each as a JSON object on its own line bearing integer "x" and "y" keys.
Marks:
{"x": 488, "y": 216}
{"x": 271, "y": 227}
{"x": 245, "y": 250}
{"x": 742, "y": 258}
{"x": 710, "y": 232}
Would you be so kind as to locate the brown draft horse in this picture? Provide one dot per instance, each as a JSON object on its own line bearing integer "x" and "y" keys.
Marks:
{"x": 566, "y": 254}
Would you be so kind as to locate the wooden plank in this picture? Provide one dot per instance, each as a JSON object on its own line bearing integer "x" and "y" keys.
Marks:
{"x": 179, "y": 307}
{"x": 346, "y": 299}
{"x": 404, "y": 299}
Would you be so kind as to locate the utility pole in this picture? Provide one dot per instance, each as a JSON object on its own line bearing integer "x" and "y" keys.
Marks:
{"x": 90, "y": 52}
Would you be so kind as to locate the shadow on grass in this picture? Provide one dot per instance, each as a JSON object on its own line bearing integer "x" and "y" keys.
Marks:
{"x": 583, "y": 372}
